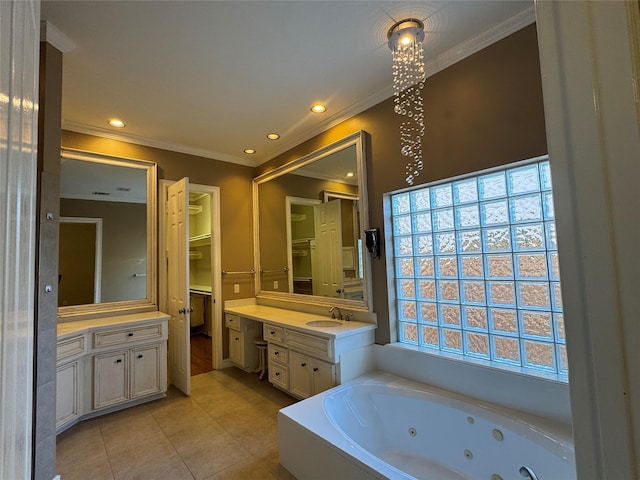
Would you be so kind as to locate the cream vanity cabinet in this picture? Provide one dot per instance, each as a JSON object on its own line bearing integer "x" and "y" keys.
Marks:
{"x": 109, "y": 364}
{"x": 309, "y": 376}
{"x": 70, "y": 358}
{"x": 126, "y": 374}
{"x": 302, "y": 359}
{"x": 242, "y": 333}
{"x": 302, "y": 363}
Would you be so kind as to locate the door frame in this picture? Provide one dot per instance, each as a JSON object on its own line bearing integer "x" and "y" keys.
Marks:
{"x": 216, "y": 262}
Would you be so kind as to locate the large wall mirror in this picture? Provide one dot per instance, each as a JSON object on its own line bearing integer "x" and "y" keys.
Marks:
{"x": 107, "y": 259}
{"x": 310, "y": 216}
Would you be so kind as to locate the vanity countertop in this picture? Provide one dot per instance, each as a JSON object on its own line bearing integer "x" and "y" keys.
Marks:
{"x": 65, "y": 329}
{"x": 298, "y": 320}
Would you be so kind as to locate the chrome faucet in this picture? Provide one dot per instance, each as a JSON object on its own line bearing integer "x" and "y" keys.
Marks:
{"x": 333, "y": 314}
{"x": 527, "y": 473}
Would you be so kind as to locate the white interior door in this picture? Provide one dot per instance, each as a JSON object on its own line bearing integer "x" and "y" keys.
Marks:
{"x": 178, "y": 285}
{"x": 328, "y": 281}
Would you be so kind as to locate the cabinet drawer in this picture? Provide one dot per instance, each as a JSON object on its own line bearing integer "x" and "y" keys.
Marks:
{"x": 232, "y": 321}
{"x": 272, "y": 333}
{"x": 277, "y": 353}
{"x": 279, "y": 375}
{"x": 317, "y": 346}
{"x": 127, "y": 335}
{"x": 70, "y": 346}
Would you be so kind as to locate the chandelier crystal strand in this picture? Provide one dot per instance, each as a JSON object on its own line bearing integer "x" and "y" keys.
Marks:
{"x": 408, "y": 82}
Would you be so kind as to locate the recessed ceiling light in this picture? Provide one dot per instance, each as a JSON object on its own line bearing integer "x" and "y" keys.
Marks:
{"x": 249, "y": 151}
{"x": 116, "y": 122}
{"x": 273, "y": 136}
{"x": 350, "y": 174}
{"x": 318, "y": 108}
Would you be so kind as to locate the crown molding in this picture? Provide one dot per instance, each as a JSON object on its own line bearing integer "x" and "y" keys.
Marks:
{"x": 433, "y": 66}
{"x": 51, "y": 34}
{"x": 332, "y": 121}
{"x": 439, "y": 63}
{"x": 147, "y": 142}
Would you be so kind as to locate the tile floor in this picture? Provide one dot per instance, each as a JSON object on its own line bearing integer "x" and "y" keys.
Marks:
{"x": 226, "y": 430}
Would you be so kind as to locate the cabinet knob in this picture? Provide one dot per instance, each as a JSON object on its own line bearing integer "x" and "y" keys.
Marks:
{"x": 130, "y": 334}
{"x": 276, "y": 353}
{"x": 140, "y": 356}
{"x": 237, "y": 338}
{"x": 272, "y": 332}
{"x": 303, "y": 364}
{"x": 315, "y": 369}
{"x": 119, "y": 360}
{"x": 277, "y": 374}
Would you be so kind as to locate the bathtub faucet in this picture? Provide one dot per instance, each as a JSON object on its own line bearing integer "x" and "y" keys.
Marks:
{"x": 333, "y": 313}
{"x": 526, "y": 472}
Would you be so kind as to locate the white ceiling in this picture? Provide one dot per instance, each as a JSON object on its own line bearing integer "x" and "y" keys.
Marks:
{"x": 82, "y": 180}
{"x": 214, "y": 77}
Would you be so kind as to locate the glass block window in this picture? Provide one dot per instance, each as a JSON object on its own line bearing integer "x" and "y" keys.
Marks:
{"x": 476, "y": 268}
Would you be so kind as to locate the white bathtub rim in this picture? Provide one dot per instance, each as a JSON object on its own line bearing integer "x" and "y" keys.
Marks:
{"x": 305, "y": 414}
{"x": 545, "y": 434}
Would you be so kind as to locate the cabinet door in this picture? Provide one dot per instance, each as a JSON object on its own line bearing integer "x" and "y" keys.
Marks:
{"x": 145, "y": 371}
{"x": 67, "y": 393}
{"x": 279, "y": 375}
{"x": 236, "y": 347}
{"x": 324, "y": 376}
{"x": 300, "y": 374}
{"x": 111, "y": 378}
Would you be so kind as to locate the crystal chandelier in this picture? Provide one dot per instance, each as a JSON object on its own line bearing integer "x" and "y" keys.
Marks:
{"x": 405, "y": 41}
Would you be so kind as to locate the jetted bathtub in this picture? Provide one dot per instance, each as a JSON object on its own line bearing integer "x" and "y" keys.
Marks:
{"x": 383, "y": 426}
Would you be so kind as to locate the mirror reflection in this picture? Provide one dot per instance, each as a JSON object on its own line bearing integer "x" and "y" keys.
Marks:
{"x": 310, "y": 240}
{"x": 103, "y": 233}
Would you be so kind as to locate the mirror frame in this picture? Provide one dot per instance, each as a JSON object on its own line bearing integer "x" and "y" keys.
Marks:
{"x": 359, "y": 139}
{"x": 150, "y": 303}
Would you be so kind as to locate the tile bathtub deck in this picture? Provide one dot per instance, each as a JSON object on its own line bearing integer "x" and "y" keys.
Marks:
{"x": 226, "y": 430}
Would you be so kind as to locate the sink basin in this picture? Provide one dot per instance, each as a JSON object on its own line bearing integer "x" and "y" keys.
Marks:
{"x": 324, "y": 323}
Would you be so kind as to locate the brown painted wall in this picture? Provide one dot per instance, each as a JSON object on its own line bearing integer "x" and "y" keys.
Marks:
{"x": 481, "y": 112}
{"x": 235, "y": 197}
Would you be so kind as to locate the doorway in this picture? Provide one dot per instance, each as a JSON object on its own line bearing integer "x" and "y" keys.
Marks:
{"x": 203, "y": 342}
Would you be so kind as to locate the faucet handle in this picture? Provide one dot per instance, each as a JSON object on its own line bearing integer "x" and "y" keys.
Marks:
{"x": 347, "y": 317}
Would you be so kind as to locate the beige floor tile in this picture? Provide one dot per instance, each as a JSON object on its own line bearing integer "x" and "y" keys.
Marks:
{"x": 138, "y": 450}
{"x": 271, "y": 463}
{"x": 164, "y": 468}
{"x": 213, "y": 455}
{"x": 95, "y": 466}
{"x": 226, "y": 429}
{"x": 183, "y": 416}
{"x": 187, "y": 439}
{"x": 80, "y": 441}
{"x": 115, "y": 424}
{"x": 258, "y": 436}
{"x": 244, "y": 471}
{"x": 220, "y": 400}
